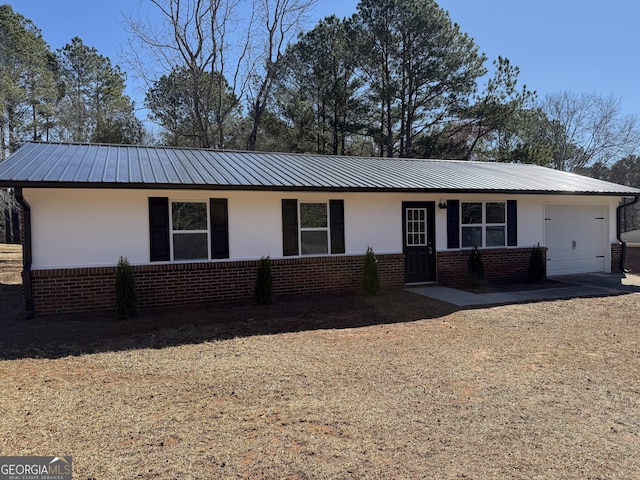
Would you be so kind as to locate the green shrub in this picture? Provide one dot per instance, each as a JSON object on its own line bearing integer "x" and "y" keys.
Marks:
{"x": 370, "y": 275}
{"x": 264, "y": 285}
{"x": 537, "y": 270}
{"x": 475, "y": 268}
{"x": 126, "y": 299}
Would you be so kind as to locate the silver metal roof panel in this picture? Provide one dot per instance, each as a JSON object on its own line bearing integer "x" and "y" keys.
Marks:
{"x": 128, "y": 166}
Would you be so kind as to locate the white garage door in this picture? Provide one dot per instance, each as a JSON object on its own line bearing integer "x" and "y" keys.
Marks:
{"x": 575, "y": 236}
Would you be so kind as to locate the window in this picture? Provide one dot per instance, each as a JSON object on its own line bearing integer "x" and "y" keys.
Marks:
{"x": 181, "y": 230}
{"x": 483, "y": 224}
{"x": 190, "y": 230}
{"x": 312, "y": 228}
{"x": 416, "y": 228}
{"x": 492, "y": 221}
{"x": 496, "y": 225}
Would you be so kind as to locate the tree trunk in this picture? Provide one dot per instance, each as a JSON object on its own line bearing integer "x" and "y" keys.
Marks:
{"x": 202, "y": 133}
{"x": 389, "y": 141}
{"x": 11, "y": 127}
{"x": 382, "y": 143}
{"x": 7, "y": 226}
{"x": 335, "y": 128}
{"x": 260, "y": 106}
{"x": 258, "y": 110}
{"x": 15, "y": 220}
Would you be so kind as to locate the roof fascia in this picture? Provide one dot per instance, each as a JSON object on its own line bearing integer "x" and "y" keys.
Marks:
{"x": 270, "y": 188}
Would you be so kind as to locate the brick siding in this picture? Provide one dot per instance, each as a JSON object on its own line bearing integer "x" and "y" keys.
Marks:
{"x": 616, "y": 257}
{"x": 92, "y": 289}
{"x": 166, "y": 285}
{"x": 632, "y": 259}
{"x": 500, "y": 264}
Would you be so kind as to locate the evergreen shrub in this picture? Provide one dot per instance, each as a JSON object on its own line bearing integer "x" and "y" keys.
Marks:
{"x": 537, "y": 270}
{"x": 371, "y": 275}
{"x": 475, "y": 268}
{"x": 126, "y": 298}
{"x": 264, "y": 282}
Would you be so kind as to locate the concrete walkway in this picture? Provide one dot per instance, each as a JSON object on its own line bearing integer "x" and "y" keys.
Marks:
{"x": 575, "y": 286}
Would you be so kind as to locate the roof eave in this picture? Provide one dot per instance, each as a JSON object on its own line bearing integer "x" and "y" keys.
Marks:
{"x": 287, "y": 188}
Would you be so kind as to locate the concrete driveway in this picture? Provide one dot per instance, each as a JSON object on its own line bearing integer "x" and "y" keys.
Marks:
{"x": 570, "y": 286}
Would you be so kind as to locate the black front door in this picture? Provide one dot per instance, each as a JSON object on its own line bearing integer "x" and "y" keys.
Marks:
{"x": 418, "y": 229}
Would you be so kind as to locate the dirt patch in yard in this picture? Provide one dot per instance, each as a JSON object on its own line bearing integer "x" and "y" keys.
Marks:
{"x": 396, "y": 386}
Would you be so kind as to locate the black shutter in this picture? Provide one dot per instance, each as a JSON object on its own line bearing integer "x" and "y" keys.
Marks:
{"x": 219, "y": 213}
{"x": 336, "y": 212}
{"x": 289, "y": 227}
{"x": 453, "y": 223}
{"x": 512, "y": 223}
{"x": 159, "y": 229}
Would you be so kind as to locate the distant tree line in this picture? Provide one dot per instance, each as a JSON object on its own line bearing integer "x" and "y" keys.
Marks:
{"x": 74, "y": 94}
{"x": 625, "y": 171}
{"x": 398, "y": 79}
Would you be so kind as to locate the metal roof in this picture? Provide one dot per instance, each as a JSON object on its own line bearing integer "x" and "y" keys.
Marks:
{"x": 128, "y": 166}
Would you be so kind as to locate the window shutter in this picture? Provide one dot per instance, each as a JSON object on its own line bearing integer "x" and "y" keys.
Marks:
{"x": 219, "y": 213}
{"x": 289, "y": 227}
{"x": 159, "y": 229}
{"x": 453, "y": 223}
{"x": 512, "y": 223}
{"x": 336, "y": 212}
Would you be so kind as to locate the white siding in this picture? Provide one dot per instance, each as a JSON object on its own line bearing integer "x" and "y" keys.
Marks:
{"x": 82, "y": 227}
{"x": 72, "y": 228}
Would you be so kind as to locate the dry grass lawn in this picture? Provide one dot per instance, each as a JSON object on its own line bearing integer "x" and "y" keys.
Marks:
{"x": 397, "y": 386}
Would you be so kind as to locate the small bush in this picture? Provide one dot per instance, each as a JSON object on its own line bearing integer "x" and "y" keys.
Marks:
{"x": 537, "y": 270}
{"x": 126, "y": 299}
{"x": 475, "y": 268}
{"x": 264, "y": 285}
{"x": 371, "y": 275}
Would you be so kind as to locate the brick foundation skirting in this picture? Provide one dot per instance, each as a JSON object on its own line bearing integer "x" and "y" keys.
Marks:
{"x": 93, "y": 289}
{"x": 500, "y": 265}
{"x": 632, "y": 259}
{"x": 166, "y": 285}
{"x": 616, "y": 257}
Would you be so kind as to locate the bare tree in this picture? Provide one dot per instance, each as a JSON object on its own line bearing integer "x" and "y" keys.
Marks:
{"x": 588, "y": 129}
{"x": 282, "y": 21}
{"x": 237, "y": 43}
{"x": 209, "y": 41}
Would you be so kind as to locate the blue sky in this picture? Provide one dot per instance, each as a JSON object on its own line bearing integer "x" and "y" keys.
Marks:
{"x": 577, "y": 45}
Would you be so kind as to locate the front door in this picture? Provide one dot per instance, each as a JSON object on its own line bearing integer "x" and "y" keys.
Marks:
{"x": 418, "y": 232}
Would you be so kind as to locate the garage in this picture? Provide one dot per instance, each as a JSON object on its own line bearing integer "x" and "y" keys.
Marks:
{"x": 576, "y": 238}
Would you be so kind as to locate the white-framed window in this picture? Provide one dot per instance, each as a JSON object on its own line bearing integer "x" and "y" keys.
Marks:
{"x": 483, "y": 224}
{"x": 189, "y": 228}
{"x": 314, "y": 228}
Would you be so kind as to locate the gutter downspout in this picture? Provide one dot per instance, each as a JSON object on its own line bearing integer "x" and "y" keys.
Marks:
{"x": 26, "y": 254}
{"x": 619, "y": 228}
